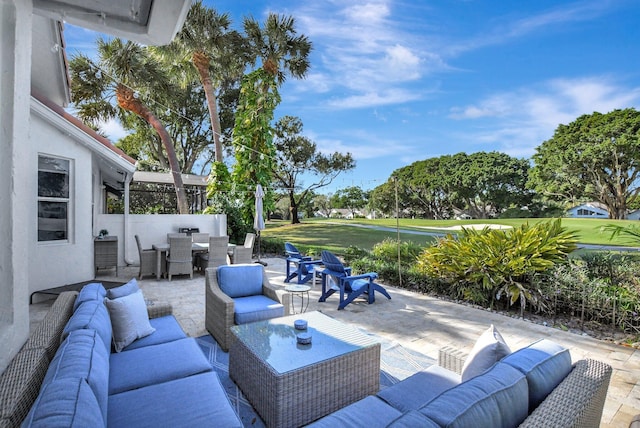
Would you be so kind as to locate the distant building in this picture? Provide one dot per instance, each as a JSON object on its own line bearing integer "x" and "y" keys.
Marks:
{"x": 588, "y": 210}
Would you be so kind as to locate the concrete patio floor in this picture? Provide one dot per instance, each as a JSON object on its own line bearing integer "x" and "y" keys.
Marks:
{"x": 422, "y": 323}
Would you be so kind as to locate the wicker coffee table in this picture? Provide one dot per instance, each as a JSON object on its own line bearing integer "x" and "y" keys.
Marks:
{"x": 290, "y": 384}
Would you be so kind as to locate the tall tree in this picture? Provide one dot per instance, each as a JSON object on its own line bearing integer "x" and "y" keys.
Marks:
{"x": 352, "y": 198}
{"x": 283, "y": 53}
{"x": 216, "y": 53}
{"x": 599, "y": 151}
{"x": 125, "y": 71}
{"x": 296, "y": 155}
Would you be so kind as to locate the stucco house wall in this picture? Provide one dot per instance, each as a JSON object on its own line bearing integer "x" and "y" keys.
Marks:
{"x": 57, "y": 263}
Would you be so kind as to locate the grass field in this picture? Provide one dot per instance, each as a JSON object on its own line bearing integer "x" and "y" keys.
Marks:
{"x": 335, "y": 234}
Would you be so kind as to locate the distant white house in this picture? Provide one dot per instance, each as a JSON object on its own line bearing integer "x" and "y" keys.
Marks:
{"x": 588, "y": 210}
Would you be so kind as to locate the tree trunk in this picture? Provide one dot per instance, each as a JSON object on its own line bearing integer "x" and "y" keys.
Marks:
{"x": 201, "y": 62}
{"x": 293, "y": 209}
{"x": 128, "y": 101}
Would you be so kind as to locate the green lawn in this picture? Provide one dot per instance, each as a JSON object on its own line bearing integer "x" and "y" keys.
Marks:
{"x": 326, "y": 234}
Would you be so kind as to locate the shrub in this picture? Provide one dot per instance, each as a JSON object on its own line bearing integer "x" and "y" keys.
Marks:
{"x": 487, "y": 263}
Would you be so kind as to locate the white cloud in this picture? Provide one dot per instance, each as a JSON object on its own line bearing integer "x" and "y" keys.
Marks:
{"x": 518, "y": 121}
{"x": 113, "y": 129}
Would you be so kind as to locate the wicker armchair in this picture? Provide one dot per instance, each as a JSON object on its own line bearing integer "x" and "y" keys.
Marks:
{"x": 179, "y": 259}
{"x": 220, "y": 308}
{"x": 148, "y": 260}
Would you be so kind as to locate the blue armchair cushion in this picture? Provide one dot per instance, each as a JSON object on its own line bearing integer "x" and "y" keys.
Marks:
{"x": 65, "y": 403}
{"x": 545, "y": 364}
{"x": 498, "y": 398}
{"x": 368, "y": 412}
{"x": 167, "y": 330}
{"x": 155, "y": 364}
{"x": 82, "y": 355}
{"x": 419, "y": 388}
{"x": 240, "y": 280}
{"x": 124, "y": 290}
{"x": 94, "y": 291}
{"x": 161, "y": 405}
{"x": 359, "y": 283}
{"x": 129, "y": 319}
{"x": 488, "y": 349}
{"x": 92, "y": 315}
{"x": 256, "y": 308}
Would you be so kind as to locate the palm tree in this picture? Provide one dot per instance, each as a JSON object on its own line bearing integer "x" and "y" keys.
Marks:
{"x": 279, "y": 47}
{"x": 123, "y": 66}
{"x": 215, "y": 52}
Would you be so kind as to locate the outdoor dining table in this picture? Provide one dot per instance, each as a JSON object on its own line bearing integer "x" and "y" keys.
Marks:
{"x": 196, "y": 247}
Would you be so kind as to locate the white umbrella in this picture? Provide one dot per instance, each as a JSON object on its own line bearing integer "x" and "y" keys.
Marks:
{"x": 258, "y": 219}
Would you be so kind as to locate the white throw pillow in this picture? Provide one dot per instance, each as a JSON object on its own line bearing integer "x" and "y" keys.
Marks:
{"x": 129, "y": 319}
{"x": 489, "y": 349}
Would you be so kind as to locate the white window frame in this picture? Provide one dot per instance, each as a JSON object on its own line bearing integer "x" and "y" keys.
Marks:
{"x": 67, "y": 200}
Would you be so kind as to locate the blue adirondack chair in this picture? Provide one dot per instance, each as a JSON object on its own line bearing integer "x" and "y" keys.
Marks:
{"x": 302, "y": 265}
{"x": 349, "y": 286}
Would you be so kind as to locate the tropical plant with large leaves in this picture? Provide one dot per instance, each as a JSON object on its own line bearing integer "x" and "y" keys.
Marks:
{"x": 491, "y": 262}
{"x": 126, "y": 72}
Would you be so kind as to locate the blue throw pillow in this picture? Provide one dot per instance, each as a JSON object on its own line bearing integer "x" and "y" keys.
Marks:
{"x": 124, "y": 290}
{"x": 65, "y": 403}
{"x": 94, "y": 291}
{"x": 240, "y": 280}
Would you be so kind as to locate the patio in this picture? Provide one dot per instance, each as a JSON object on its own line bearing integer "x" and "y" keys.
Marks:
{"x": 417, "y": 322}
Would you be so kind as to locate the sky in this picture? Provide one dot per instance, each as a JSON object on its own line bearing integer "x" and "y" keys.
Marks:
{"x": 393, "y": 82}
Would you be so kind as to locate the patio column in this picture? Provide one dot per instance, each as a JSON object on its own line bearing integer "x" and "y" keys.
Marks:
{"x": 17, "y": 175}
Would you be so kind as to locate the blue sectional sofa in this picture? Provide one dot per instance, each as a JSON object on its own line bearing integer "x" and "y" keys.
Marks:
{"x": 536, "y": 386}
{"x": 162, "y": 379}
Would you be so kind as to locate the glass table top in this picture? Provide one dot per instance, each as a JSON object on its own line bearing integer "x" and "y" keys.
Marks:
{"x": 274, "y": 341}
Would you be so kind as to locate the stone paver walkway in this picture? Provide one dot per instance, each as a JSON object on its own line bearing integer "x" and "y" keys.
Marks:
{"x": 418, "y": 322}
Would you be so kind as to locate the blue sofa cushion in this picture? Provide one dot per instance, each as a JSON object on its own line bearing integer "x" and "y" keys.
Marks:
{"x": 420, "y": 388}
{"x": 166, "y": 404}
{"x": 82, "y": 355}
{"x": 129, "y": 319}
{"x": 368, "y": 412}
{"x": 167, "y": 330}
{"x": 155, "y": 364}
{"x": 545, "y": 364}
{"x": 256, "y": 308}
{"x": 497, "y": 398}
{"x": 65, "y": 403}
{"x": 91, "y": 315}
{"x": 240, "y": 280}
{"x": 413, "y": 419}
{"x": 124, "y": 290}
{"x": 94, "y": 291}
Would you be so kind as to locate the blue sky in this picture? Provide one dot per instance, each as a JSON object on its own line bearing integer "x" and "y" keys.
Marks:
{"x": 393, "y": 82}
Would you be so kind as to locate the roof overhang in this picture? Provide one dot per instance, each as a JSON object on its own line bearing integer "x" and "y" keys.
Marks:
{"x": 149, "y": 22}
{"x": 167, "y": 178}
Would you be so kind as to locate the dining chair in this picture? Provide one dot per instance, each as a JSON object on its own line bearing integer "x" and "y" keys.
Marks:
{"x": 199, "y": 238}
{"x": 244, "y": 253}
{"x": 179, "y": 259}
{"x": 217, "y": 255}
{"x": 175, "y": 235}
{"x": 148, "y": 260}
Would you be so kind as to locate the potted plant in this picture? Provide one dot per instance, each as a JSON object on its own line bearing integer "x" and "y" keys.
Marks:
{"x": 103, "y": 233}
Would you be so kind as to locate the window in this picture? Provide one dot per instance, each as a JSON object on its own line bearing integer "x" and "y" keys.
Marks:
{"x": 53, "y": 198}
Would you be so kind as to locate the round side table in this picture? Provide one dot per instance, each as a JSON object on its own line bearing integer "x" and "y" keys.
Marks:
{"x": 303, "y": 292}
